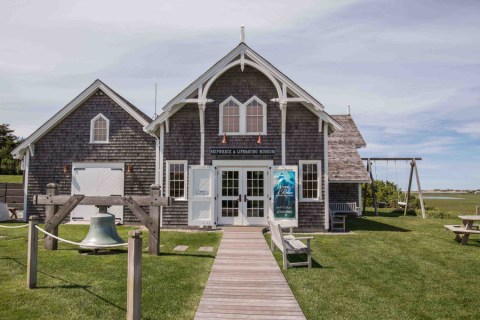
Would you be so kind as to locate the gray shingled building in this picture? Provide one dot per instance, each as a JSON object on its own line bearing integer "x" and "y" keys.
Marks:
{"x": 241, "y": 144}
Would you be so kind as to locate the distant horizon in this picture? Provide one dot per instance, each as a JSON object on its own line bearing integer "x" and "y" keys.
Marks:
{"x": 408, "y": 69}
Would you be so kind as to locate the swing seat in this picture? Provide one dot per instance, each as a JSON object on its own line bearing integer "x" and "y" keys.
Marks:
{"x": 402, "y": 204}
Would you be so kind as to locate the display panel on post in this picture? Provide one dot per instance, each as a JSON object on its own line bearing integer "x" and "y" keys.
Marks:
{"x": 285, "y": 196}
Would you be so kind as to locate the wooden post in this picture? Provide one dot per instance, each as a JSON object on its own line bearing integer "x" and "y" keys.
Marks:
{"x": 407, "y": 198}
{"x": 422, "y": 206}
{"x": 365, "y": 198}
{"x": 50, "y": 210}
{"x": 369, "y": 167}
{"x": 477, "y": 209}
{"x": 134, "y": 276}
{"x": 154, "y": 212}
{"x": 32, "y": 253}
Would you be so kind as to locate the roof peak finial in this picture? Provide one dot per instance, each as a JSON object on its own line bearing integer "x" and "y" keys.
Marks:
{"x": 242, "y": 34}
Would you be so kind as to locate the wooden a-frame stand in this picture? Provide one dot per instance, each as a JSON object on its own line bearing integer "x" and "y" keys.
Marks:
{"x": 54, "y": 214}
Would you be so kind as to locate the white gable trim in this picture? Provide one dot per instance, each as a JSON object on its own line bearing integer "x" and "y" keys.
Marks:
{"x": 248, "y": 63}
{"x": 280, "y": 81}
{"x": 69, "y": 108}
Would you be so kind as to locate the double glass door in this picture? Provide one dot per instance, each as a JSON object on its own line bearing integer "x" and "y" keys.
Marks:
{"x": 242, "y": 196}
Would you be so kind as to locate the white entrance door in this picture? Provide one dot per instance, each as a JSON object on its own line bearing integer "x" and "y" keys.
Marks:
{"x": 97, "y": 179}
{"x": 242, "y": 196}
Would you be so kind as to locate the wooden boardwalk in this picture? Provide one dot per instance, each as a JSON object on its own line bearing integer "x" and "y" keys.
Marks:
{"x": 246, "y": 281}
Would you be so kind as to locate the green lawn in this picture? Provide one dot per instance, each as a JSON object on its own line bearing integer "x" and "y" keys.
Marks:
{"x": 454, "y": 207}
{"x": 10, "y": 179}
{"x": 391, "y": 267}
{"x": 76, "y": 286}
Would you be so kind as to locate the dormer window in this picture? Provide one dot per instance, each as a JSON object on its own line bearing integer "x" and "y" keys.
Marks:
{"x": 99, "y": 129}
{"x": 249, "y": 118}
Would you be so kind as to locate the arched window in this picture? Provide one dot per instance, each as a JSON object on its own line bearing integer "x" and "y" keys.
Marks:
{"x": 230, "y": 116}
{"x": 255, "y": 115}
{"x": 99, "y": 129}
{"x": 249, "y": 118}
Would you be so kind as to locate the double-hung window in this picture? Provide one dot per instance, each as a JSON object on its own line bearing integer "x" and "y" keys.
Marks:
{"x": 99, "y": 129}
{"x": 177, "y": 179}
{"x": 249, "y": 118}
{"x": 310, "y": 180}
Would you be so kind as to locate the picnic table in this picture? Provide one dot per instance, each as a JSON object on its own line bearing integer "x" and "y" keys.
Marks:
{"x": 13, "y": 212}
{"x": 463, "y": 232}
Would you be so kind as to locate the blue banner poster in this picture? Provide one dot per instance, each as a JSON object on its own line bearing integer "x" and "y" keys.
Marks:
{"x": 284, "y": 201}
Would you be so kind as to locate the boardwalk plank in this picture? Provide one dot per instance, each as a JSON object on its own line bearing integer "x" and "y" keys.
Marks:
{"x": 245, "y": 281}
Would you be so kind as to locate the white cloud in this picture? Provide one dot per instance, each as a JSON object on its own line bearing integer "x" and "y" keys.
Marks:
{"x": 472, "y": 129}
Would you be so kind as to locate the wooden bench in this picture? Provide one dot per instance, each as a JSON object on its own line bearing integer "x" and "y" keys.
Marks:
{"x": 461, "y": 233}
{"x": 344, "y": 208}
{"x": 339, "y": 212}
{"x": 289, "y": 244}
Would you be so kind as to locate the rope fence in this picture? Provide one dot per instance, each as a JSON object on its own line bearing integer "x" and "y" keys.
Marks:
{"x": 14, "y": 227}
{"x": 134, "y": 264}
{"x": 82, "y": 244}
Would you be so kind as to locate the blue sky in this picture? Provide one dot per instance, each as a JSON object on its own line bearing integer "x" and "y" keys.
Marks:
{"x": 409, "y": 69}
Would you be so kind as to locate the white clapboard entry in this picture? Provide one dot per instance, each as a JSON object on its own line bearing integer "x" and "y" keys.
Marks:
{"x": 285, "y": 222}
{"x": 97, "y": 179}
{"x": 201, "y": 197}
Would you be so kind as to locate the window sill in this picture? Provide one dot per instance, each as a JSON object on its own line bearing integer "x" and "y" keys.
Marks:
{"x": 243, "y": 134}
{"x": 99, "y": 142}
{"x": 311, "y": 200}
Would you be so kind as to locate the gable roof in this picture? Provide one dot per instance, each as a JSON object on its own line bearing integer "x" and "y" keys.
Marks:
{"x": 138, "y": 115}
{"x": 242, "y": 55}
{"x": 344, "y": 162}
{"x": 351, "y": 130}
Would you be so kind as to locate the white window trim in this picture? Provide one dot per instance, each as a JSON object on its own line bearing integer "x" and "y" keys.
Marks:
{"x": 319, "y": 178}
{"x": 243, "y": 117}
{"x": 185, "y": 174}
{"x": 92, "y": 124}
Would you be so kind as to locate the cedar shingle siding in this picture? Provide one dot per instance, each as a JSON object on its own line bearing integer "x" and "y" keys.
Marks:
{"x": 69, "y": 142}
{"x": 344, "y": 192}
{"x": 303, "y": 141}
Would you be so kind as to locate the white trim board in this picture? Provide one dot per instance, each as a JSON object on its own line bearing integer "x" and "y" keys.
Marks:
{"x": 69, "y": 108}
{"x": 242, "y": 163}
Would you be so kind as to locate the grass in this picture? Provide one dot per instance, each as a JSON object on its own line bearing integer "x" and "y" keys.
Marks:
{"x": 391, "y": 267}
{"x": 76, "y": 286}
{"x": 454, "y": 207}
{"x": 11, "y": 178}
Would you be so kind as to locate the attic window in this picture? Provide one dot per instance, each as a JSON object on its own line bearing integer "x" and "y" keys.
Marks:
{"x": 249, "y": 118}
{"x": 99, "y": 129}
{"x": 230, "y": 110}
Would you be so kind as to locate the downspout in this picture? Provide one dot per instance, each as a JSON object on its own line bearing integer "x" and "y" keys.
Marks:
{"x": 160, "y": 164}
{"x": 26, "y": 161}
{"x": 325, "y": 174}
{"x": 201, "y": 111}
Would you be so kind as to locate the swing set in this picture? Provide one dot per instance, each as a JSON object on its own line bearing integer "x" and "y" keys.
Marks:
{"x": 402, "y": 199}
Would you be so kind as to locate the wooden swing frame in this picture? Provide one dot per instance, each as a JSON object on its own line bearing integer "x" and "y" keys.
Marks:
{"x": 413, "y": 168}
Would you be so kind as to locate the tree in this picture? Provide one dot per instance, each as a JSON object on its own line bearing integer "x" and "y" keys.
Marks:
{"x": 8, "y": 142}
{"x": 389, "y": 193}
